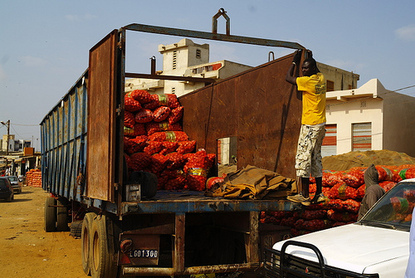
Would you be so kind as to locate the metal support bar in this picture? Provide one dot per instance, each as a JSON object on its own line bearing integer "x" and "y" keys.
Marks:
{"x": 169, "y": 77}
{"x": 228, "y": 268}
{"x": 210, "y": 36}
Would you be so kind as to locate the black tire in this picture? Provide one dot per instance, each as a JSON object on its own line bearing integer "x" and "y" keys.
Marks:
{"x": 10, "y": 198}
{"x": 86, "y": 241}
{"x": 50, "y": 214}
{"x": 76, "y": 229}
{"x": 102, "y": 251}
{"x": 61, "y": 216}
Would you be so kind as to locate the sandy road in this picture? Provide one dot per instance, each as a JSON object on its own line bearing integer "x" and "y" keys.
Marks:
{"x": 26, "y": 250}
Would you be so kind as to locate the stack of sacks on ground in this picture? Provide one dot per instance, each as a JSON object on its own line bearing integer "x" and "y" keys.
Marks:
{"x": 344, "y": 191}
{"x": 34, "y": 178}
{"x": 154, "y": 141}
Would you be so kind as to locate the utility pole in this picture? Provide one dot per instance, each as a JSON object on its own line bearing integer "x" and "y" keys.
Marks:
{"x": 8, "y": 134}
{"x": 7, "y": 145}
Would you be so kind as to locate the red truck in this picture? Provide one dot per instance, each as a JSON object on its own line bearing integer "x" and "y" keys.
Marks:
{"x": 174, "y": 233}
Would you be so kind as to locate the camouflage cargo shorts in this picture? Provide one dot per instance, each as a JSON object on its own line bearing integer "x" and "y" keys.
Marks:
{"x": 308, "y": 157}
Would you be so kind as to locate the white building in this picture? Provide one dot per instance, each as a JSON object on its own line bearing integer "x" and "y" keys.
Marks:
{"x": 185, "y": 58}
{"x": 369, "y": 118}
{"x": 13, "y": 145}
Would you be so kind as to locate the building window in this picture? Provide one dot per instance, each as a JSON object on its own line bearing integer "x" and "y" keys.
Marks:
{"x": 174, "y": 59}
{"x": 173, "y": 90}
{"x": 330, "y": 86}
{"x": 329, "y": 146}
{"x": 362, "y": 137}
{"x": 198, "y": 54}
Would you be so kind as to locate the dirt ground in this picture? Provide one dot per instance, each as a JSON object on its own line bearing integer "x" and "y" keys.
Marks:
{"x": 26, "y": 249}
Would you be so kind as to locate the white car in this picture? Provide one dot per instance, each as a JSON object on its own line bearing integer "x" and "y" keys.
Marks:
{"x": 375, "y": 246}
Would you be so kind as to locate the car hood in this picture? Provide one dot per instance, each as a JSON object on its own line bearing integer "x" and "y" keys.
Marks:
{"x": 353, "y": 247}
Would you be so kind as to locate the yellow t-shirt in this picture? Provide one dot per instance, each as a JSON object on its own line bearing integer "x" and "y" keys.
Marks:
{"x": 314, "y": 98}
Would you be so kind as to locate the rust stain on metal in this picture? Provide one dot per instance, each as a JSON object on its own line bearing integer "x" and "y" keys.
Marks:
{"x": 101, "y": 119}
{"x": 258, "y": 107}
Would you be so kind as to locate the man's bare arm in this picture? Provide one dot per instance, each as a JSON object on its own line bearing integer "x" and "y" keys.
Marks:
{"x": 291, "y": 76}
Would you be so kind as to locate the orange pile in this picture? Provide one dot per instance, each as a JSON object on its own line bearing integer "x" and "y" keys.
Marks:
{"x": 34, "y": 178}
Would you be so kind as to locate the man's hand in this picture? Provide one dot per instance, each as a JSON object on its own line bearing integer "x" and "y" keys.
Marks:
{"x": 297, "y": 57}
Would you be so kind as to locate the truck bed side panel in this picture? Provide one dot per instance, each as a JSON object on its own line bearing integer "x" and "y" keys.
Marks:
{"x": 258, "y": 107}
{"x": 63, "y": 133}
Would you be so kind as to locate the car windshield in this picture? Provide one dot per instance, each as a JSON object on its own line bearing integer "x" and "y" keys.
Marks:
{"x": 12, "y": 178}
{"x": 394, "y": 209}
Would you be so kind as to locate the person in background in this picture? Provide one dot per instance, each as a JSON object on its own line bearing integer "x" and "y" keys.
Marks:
{"x": 373, "y": 191}
{"x": 313, "y": 119}
{"x": 410, "y": 269}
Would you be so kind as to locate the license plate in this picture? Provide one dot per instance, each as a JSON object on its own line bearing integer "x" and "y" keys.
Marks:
{"x": 144, "y": 253}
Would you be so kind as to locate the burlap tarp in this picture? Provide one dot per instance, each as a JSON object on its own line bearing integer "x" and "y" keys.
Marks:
{"x": 253, "y": 183}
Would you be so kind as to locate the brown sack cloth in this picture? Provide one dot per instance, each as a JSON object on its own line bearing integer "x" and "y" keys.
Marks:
{"x": 253, "y": 183}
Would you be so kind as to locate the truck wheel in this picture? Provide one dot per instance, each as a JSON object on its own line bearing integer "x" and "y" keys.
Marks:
{"x": 61, "y": 216}
{"x": 102, "y": 249}
{"x": 86, "y": 242}
{"x": 50, "y": 214}
{"x": 10, "y": 198}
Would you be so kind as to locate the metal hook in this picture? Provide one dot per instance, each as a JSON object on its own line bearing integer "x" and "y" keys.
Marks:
{"x": 271, "y": 53}
{"x": 153, "y": 65}
{"x": 221, "y": 12}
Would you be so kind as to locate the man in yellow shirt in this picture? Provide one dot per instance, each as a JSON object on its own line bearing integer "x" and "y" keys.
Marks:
{"x": 313, "y": 119}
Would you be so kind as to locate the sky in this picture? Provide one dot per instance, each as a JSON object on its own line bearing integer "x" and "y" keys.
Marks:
{"x": 45, "y": 44}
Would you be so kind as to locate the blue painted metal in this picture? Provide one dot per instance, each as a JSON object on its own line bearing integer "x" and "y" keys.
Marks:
{"x": 63, "y": 132}
{"x": 189, "y": 205}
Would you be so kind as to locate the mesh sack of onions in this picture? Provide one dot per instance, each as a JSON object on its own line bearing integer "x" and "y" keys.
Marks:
{"x": 144, "y": 116}
{"x": 138, "y": 129}
{"x": 131, "y": 104}
{"x": 141, "y": 96}
{"x": 176, "y": 115}
{"x": 153, "y": 147}
{"x": 171, "y": 136}
{"x": 140, "y": 161}
{"x": 168, "y": 147}
{"x": 129, "y": 119}
{"x": 161, "y": 113}
{"x": 153, "y": 127}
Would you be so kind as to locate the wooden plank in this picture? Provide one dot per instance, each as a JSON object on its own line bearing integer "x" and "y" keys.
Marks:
{"x": 252, "y": 239}
{"x": 179, "y": 242}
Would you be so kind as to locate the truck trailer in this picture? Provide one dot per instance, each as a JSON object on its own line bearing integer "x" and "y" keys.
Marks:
{"x": 124, "y": 229}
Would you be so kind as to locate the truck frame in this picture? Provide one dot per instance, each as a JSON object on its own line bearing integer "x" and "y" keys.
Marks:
{"x": 174, "y": 233}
